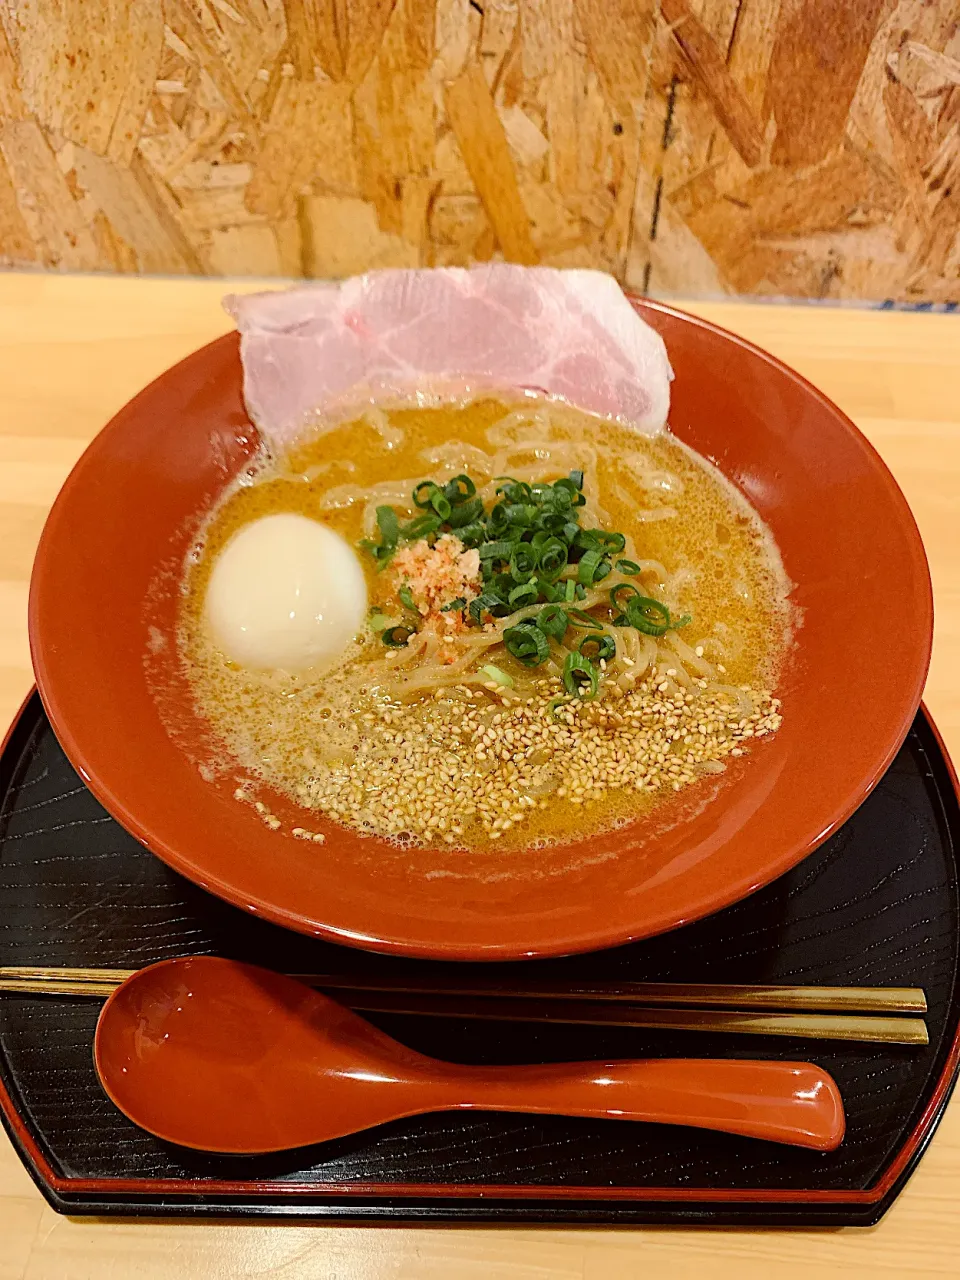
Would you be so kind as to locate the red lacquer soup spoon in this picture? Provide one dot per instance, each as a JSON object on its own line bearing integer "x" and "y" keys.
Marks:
{"x": 221, "y": 1056}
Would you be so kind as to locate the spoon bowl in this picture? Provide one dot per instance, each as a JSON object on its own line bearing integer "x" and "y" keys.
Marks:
{"x": 222, "y": 1056}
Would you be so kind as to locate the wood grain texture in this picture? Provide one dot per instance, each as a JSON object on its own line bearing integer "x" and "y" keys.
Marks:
{"x": 807, "y": 148}
{"x": 708, "y": 66}
{"x": 816, "y": 64}
{"x": 72, "y": 350}
{"x": 486, "y": 153}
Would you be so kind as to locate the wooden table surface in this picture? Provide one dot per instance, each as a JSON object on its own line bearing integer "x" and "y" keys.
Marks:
{"x": 72, "y": 350}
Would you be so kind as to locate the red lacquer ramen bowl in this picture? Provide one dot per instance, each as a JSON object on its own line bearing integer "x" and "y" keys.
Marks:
{"x": 102, "y": 612}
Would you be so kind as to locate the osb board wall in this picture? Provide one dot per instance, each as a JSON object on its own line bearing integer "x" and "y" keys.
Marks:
{"x": 800, "y": 147}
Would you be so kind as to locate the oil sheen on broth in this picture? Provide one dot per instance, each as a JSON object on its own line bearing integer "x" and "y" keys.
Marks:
{"x": 721, "y": 567}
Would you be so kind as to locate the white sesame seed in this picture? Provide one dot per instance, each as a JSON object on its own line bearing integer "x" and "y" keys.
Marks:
{"x": 431, "y": 778}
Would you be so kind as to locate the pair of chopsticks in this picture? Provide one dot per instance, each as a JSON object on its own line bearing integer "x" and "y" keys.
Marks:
{"x": 874, "y": 1014}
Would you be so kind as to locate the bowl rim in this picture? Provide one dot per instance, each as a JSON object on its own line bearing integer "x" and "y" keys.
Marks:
{"x": 595, "y": 938}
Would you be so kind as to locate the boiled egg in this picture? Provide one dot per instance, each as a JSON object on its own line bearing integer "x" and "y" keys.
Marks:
{"x": 286, "y": 593}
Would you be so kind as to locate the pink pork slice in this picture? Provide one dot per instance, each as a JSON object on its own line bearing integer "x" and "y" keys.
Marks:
{"x": 446, "y": 333}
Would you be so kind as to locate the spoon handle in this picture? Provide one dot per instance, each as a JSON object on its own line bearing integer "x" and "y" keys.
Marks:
{"x": 792, "y": 1102}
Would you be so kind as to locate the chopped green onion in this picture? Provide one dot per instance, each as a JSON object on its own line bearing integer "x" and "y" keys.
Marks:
{"x": 500, "y": 550}
{"x": 521, "y": 513}
{"x": 406, "y": 597}
{"x": 626, "y": 589}
{"x": 526, "y": 593}
{"x": 460, "y": 489}
{"x": 553, "y": 621}
{"x": 553, "y": 558}
{"x": 552, "y": 522}
{"x": 496, "y": 675}
{"x": 523, "y": 561}
{"x": 482, "y": 604}
{"x": 597, "y": 647}
{"x": 499, "y": 585}
{"x": 380, "y": 621}
{"x": 423, "y": 493}
{"x": 648, "y": 615}
{"x": 683, "y": 621}
{"x": 473, "y": 534}
{"x": 465, "y": 513}
{"x": 526, "y": 540}
{"x": 611, "y": 542}
{"x": 578, "y": 670}
{"x": 397, "y": 637}
{"x": 380, "y": 552}
{"x": 420, "y": 527}
{"x": 527, "y": 644}
{"x": 642, "y": 612}
{"x": 440, "y": 504}
{"x": 591, "y": 539}
{"x": 514, "y": 490}
{"x": 584, "y": 619}
{"x": 593, "y": 567}
{"x": 388, "y": 524}
{"x": 497, "y": 520}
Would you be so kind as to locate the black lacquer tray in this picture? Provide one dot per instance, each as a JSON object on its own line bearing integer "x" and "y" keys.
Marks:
{"x": 877, "y": 904}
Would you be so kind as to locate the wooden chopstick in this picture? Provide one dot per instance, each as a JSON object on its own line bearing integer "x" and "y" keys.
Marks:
{"x": 711, "y": 995}
{"x": 525, "y": 1008}
{"x": 813, "y": 1026}
{"x": 39, "y": 987}
{"x": 44, "y": 973}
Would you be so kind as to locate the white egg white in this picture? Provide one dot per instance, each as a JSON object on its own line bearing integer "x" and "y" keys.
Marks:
{"x": 286, "y": 594}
